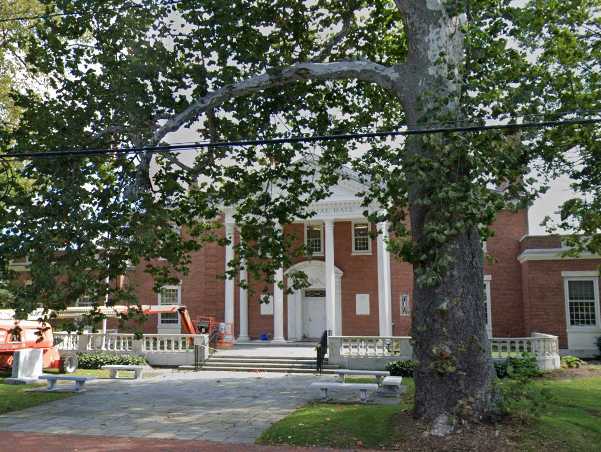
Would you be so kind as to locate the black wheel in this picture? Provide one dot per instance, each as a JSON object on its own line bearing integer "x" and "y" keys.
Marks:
{"x": 69, "y": 364}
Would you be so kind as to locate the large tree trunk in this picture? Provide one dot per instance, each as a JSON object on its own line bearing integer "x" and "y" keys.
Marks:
{"x": 455, "y": 375}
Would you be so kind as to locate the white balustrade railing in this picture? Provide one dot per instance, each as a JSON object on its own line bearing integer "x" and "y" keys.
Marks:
{"x": 66, "y": 341}
{"x": 158, "y": 349}
{"x": 168, "y": 342}
{"x": 544, "y": 346}
{"x": 373, "y": 346}
{"x": 113, "y": 342}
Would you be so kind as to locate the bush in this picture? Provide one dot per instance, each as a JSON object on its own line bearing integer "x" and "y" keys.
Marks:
{"x": 404, "y": 368}
{"x": 599, "y": 344}
{"x": 570, "y": 362}
{"x": 95, "y": 360}
{"x": 519, "y": 368}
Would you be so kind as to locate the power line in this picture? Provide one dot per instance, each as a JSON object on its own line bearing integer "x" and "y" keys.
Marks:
{"x": 296, "y": 139}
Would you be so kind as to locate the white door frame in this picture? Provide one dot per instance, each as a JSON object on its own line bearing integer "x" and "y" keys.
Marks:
{"x": 315, "y": 271}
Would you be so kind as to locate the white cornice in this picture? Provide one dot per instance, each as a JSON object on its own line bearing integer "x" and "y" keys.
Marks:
{"x": 553, "y": 254}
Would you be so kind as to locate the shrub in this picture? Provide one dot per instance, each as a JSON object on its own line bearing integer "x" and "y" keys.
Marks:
{"x": 519, "y": 367}
{"x": 599, "y": 344}
{"x": 95, "y": 360}
{"x": 404, "y": 368}
{"x": 570, "y": 362}
{"x": 501, "y": 368}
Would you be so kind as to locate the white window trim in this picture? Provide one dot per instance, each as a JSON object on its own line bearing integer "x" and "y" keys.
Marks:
{"x": 361, "y": 252}
{"x": 488, "y": 295}
{"x": 162, "y": 325}
{"x": 581, "y": 276}
{"x": 320, "y": 235}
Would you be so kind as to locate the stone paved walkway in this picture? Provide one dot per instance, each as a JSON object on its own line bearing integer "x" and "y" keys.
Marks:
{"x": 217, "y": 406}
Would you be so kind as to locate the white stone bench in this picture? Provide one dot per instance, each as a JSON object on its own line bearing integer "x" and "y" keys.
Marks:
{"x": 392, "y": 385}
{"x": 79, "y": 381}
{"x": 114, "y": 369}
{"x": 361, "y": 387}
{"x": 379, "y": 374}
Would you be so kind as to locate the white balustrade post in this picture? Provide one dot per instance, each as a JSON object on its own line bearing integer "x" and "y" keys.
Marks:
{"x": 243, "y": 303}
{"x": 384, "y": 283}
{"x": 330, "y": 279}
{"x": 229, "y": 282}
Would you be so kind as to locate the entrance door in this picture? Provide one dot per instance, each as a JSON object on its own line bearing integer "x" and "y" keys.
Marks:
{"x": 314, "y": 313}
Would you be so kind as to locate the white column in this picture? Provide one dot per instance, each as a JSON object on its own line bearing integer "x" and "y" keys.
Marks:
{"x": 384, "y": 284}
{"x": 229, "y": 282}
{"x": 278, "y": 307}
{"x": 330, "y": 279}
{"x": 243, "y": 303}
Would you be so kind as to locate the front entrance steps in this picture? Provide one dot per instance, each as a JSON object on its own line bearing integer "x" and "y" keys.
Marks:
{"x": 269, "y": 363}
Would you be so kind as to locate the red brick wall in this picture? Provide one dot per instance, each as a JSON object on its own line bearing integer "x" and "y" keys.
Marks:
{"x": 203, "y": 291}
{"x": 545, "y": 309}
{"x": 502, "y": 264}
{"x": 401, "y": 282}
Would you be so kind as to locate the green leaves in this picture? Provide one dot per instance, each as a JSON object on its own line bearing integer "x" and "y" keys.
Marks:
{"x": 116, "y": 72}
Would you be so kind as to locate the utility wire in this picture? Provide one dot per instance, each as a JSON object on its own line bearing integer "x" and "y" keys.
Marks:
{"x": 295, "y": 139}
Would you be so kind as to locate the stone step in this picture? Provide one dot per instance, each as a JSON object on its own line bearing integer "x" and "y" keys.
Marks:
{"x": 261, "y": 360}
{"x": 293, "y": 370}
{"x": 263, "y": 357}
{"x": 261, "y": 364}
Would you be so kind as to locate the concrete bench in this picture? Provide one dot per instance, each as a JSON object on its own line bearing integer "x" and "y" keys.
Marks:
{"x": 79, "y": 381}
{"x": 361, "y": 387}
{"x": 114, "y": 369}
{"x": 379, "y": 374}
{"x": 392, "y": 385}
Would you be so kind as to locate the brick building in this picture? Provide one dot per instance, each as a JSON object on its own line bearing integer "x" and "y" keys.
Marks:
{"x": 357, "y": 288}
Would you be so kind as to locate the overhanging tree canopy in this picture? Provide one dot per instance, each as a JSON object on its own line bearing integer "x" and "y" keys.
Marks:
{"x": 132, "y": 73}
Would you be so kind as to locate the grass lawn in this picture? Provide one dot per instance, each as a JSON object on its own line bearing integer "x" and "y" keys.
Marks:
{"x": 341, "y": 425}
{"x": 568, "y": 417}
{"x": 572, "y": 419}
{"x": 16, "y": 397}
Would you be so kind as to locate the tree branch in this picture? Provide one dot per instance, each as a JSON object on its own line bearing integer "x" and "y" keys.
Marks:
{"x": 386, "y": 77}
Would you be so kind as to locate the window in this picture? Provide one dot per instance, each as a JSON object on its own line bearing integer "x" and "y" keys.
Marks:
{"x": 169, "y": 295}
{"x": 582, "y": 300}
{"x": 487, "y": 304}
{"x": 405, "y": 308}
{"x": 361, "y": 238}
{"x": 362, "y": 304}
{"x": 314, "y": 238}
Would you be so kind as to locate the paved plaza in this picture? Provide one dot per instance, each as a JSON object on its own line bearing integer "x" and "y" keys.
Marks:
{"x": 216, "y": 406}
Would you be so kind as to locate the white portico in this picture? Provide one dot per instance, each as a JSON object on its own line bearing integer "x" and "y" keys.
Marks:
{"x": 319, "y": 307}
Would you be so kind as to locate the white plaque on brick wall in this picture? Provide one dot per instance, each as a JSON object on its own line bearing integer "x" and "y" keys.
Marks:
{"x": 362, "y": 303}
{"x": 267, "y": 308}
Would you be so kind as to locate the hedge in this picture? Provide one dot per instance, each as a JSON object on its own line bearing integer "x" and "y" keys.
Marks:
{"x": 95, "y": 360}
